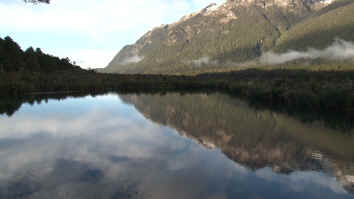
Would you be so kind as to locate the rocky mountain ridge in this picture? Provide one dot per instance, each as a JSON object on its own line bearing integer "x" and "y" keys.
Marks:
{"x": 236, "y": 31}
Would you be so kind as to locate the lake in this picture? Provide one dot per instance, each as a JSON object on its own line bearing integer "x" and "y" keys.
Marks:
{"x": 197, "y": 146}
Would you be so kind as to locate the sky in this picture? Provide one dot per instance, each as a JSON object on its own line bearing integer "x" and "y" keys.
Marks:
{"x": 89, "y": 32}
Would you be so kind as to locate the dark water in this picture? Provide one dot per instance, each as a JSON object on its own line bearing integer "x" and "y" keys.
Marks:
{"x": 170, "y": 146}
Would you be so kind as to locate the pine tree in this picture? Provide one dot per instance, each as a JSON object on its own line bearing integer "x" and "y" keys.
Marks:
{"x": 31, "y": 60}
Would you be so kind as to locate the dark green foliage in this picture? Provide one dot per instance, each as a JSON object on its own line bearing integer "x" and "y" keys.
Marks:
{"x": 13, "y": 59}
{"x": 296, "y": 91}
{"x": 31, "y": 58}
{"x": 11, "y": 56}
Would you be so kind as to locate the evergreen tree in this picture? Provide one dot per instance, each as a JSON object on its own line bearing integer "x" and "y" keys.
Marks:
{"x": 31, "y": 60}
{"x": 11, "y": 56}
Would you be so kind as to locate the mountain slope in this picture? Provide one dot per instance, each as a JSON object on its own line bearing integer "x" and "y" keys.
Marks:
{"x": 320, "y": 30}
{"x": 235, "y": 32}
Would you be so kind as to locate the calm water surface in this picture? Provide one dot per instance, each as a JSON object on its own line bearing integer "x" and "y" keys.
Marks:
{"x": 169, "y": 146}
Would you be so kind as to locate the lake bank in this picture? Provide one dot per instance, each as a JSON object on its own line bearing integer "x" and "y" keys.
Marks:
{"x": 325, "y": 92}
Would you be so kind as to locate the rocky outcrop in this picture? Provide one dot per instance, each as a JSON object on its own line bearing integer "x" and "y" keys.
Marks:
{"x": 223, "y": 34}
{"x": 290, "y": 4}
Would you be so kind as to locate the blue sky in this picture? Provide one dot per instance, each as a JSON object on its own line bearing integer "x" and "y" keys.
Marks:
{"x": 90, "y": 32}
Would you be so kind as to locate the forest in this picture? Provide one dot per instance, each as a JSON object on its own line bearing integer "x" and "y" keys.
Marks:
{"x": 32, "y": 72}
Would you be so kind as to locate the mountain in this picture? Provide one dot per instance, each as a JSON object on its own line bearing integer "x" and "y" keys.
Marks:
{"x": 235, "y": 33}
{"x": 254, "y": 138}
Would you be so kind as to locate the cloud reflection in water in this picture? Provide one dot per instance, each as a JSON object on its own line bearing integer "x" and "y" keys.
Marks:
{"x": 102, "y": 148}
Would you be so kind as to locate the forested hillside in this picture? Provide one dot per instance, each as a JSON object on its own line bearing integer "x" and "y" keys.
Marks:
{"x": 31, "y": 72}
{"x": 234, "y": 35}
{"x": 334, "y": 21}
{"x": 14, "y": 59}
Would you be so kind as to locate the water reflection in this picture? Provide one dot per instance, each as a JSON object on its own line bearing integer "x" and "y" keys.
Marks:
{"x": 171, "y": 146}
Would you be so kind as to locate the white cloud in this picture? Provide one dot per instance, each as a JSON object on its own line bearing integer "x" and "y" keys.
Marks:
{"x": 339, "y": 50}
{"x": 153, "y": 157}
{"x": 204, "y": 61}
{"x": 134, "y": 59}
{"x": 95, "y": 19}
{"x": 300, "y": 181}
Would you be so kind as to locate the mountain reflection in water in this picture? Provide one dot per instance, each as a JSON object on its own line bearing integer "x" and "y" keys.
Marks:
{"x": 169, "y": 146}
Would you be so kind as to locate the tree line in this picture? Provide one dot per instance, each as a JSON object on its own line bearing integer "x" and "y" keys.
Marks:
{"x": 29, "y": 72}
{"x": 14, "y": 59}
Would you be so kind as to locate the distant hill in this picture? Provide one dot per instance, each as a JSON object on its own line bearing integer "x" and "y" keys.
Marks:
{"x": 235, "y": 33}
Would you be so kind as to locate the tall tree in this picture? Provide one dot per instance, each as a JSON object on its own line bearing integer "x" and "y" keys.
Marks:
{"x": 12, "y": 56}
{"x": 31, "y": 59}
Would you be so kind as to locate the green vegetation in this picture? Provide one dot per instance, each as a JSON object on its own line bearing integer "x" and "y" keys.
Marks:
{"x": 13, "y": 59}
{"x": 173, "y": 48}
{"x": 323, "y": 92}
{"x": 320, "y": 30}
{"x": 232, "y": 44}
